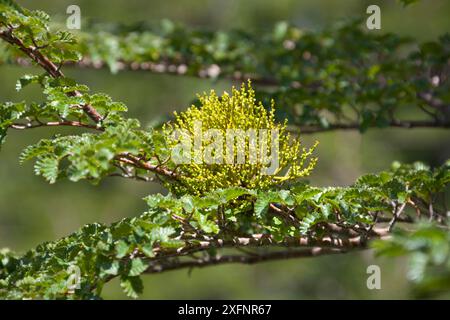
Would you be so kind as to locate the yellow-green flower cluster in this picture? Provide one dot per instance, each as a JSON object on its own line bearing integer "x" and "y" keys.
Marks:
{"x": 241, "y": 113}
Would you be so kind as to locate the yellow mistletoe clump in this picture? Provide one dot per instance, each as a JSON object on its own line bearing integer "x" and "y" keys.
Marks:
{"x": 233, "y": 141}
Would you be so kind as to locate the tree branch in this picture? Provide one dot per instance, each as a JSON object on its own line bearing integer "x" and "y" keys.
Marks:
{"x": 298, "y": 247}
{"x": 36, "y": 55}
{"x": 179, "y": 70}
{"x": 22, "y": 126}
{"x": 174, "y": 263}
{"x": 432, "y": 101}
{"x": 289, "y": 218}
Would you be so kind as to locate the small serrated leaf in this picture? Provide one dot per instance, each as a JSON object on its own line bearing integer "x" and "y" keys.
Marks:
{"x": 132, "y": 286}
{"x": 137, "y": 267}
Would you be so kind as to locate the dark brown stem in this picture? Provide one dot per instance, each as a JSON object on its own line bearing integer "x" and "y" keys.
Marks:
{"x": 286, "y": 216}
{"x": 305, "y": 246}
{"x": 175, "y": 264}
{"x": 135, "y": 161}
{"x": 54, "y": 71}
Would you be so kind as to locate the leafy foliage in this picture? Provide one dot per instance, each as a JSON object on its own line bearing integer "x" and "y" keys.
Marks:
{"x": 32, "y": 30}
{"x": 428, "y": 251}
{"x": 87, "y": 156}
{"x": 408, "y": 2}
{"x": 341, "y": 77}
{"x": 219, "y": 218}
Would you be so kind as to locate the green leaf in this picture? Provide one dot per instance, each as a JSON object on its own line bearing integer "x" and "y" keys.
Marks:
{"x": 122, "y": 249}
{"x": 110, "y": 268}
{"x": 48, "y": 168}
{"x": 137, "y": 267}
{"x": 229, "y": 194}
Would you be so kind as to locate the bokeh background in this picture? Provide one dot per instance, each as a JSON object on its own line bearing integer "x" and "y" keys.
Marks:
{"x": 32, "y": 211}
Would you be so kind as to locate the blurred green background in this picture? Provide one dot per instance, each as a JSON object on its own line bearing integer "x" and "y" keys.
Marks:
{"x": 31, "y": 211}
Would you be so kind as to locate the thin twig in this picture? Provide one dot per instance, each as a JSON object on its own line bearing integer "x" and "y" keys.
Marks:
{"x": 397, "y": 214}
{"x": 22, "y": 126}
